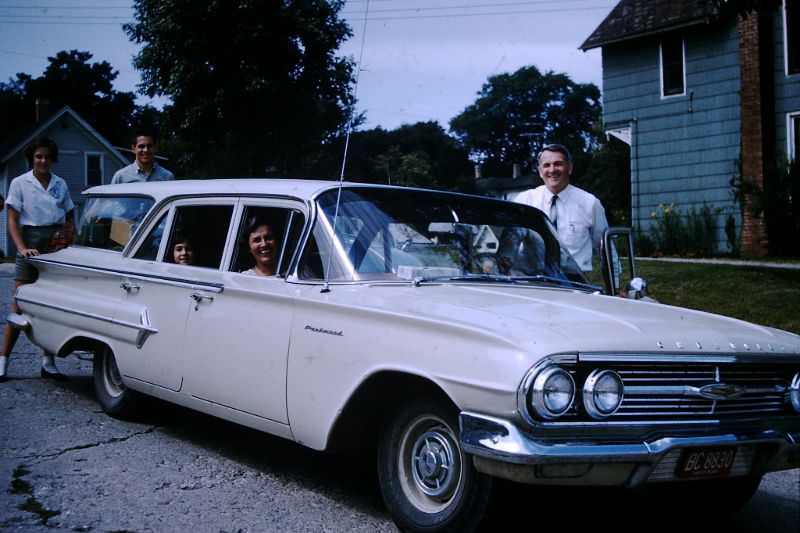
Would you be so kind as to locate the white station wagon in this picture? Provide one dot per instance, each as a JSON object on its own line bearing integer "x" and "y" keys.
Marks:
{"x": 449, "y": 334}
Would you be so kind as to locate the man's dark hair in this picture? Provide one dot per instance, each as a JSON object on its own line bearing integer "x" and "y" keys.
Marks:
{"x": 560, "y": 148}
{"x": 143, "y": 133}
{"x": 41, "y": 142}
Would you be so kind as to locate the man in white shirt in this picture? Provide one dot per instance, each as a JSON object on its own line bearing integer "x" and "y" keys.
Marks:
{"x": 577, "y": 215}
{"x": 144, "y": 168}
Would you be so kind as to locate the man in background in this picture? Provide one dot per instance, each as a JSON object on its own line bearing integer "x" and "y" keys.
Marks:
{"x": 144, "y": 168}
{"x": 577, "y": 215}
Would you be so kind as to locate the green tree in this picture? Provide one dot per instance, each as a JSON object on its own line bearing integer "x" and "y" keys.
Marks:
{"x": 516, "y": 113}
{"x": 253, "y": 84}
{"x": 420, "y": 155}
{"x": 70, "y": 79}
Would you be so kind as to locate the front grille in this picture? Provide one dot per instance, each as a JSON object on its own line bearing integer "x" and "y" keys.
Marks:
{"x": 673, "y": 391}
{"x": 670, "y": 391}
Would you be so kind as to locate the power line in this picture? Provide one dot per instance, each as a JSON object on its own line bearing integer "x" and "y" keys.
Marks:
{"x": 70, "y": 8}
{"x": 487, "y": 14}
{"x": 471, "y": 6}
{"x": 66, "y": 17}
{"x": 65, "y": 23}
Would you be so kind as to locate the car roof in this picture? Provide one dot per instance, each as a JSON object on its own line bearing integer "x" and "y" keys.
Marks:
{"x": 303, "y": 189}
{"x": 299, "y": 188}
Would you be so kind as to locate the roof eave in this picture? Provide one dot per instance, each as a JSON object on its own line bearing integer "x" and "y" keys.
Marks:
{"x": 705, "y": 20}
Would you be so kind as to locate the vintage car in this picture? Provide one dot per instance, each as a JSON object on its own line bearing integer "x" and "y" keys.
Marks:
{"x": 451, "y": 335}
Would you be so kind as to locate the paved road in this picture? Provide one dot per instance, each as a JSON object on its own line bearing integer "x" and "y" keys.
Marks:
{"x": 65, "y": 466}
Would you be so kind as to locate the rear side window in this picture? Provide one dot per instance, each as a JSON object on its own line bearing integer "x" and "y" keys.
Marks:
{"x": 202, "y": 229}
{"x": 109, "y": 223}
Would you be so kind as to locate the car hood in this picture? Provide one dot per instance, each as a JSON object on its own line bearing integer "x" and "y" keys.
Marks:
{"x": 571, "y": 320}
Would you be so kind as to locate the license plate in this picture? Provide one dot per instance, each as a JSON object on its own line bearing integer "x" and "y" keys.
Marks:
{"x": 705, "y": 462}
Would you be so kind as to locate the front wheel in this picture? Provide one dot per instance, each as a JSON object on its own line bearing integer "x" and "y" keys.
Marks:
{"x": 112, "y": 394}
{"x": 427, "y": 482}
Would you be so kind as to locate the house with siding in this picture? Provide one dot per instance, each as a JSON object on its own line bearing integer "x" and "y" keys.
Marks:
{"x": 85, "y": 159}
{"x": 705, "y": 97}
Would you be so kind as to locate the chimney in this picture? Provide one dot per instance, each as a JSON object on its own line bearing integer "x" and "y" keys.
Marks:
{"x": 516, "y": 171}
{"x": 42, "y": 108}
{"x": 478, "y": 172}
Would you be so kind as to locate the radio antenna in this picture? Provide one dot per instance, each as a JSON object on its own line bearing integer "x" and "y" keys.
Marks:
{"x": 326, "y": 286}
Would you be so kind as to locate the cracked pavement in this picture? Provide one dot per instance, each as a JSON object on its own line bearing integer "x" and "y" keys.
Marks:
{"x": 66, "y": 466}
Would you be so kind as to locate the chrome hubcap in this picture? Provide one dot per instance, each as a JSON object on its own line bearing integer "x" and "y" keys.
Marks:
{"x": 435, "y": 463}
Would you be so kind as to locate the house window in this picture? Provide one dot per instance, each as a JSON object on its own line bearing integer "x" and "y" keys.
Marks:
{"x": 791, "y": 38}
{"x": 94, "y": 169}
{"x": 793, "y": 135}
{"x": 673, "y": 76}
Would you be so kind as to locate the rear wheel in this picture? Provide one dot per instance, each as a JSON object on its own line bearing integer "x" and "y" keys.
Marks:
{"x": 112, "y": 394}
{"x": 427, "y": 482}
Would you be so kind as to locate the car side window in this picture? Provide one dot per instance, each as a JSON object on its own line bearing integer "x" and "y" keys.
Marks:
{"x": 149, "y": 248}
{"x": 285, "y": 225}
{"x": 198, "y": 235}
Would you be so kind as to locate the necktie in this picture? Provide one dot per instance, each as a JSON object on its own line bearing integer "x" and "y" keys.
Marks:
{"x": 554, "y": 210}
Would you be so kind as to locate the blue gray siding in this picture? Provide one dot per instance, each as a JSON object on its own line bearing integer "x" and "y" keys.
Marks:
{"x": 685, "y": 148}
{"x": 787, "y": 89}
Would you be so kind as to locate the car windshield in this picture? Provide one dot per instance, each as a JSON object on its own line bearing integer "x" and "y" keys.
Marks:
{"x": 396, "y": 234}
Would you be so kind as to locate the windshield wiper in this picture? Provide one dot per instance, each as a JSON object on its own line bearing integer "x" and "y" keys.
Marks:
{"x": 560, "y": 281}
{"x": 495, "y": 278}
{"x": 466, "y": 277}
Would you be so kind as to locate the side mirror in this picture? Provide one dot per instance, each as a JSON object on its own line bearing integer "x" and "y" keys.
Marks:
{"x": 637, "y": 288}
{"x": 619, "y": 265}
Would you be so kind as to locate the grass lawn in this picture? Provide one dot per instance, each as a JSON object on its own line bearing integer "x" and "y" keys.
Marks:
{"x": 766, "y": 296}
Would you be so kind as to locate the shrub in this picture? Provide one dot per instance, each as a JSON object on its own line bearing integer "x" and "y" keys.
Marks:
{"x": 693, "y": 234}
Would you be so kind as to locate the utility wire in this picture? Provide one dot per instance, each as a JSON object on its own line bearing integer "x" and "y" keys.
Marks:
{"x": 472, "y": 6}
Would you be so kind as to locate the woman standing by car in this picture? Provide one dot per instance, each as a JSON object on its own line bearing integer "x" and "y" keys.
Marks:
{"x": 38, "y": 205}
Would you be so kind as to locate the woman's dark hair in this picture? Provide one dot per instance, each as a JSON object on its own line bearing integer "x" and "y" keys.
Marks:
{"x": 41, "y": 142}
{"x": 253, "y": 223}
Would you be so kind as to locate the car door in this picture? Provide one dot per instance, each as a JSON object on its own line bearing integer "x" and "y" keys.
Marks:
{"x": 160, "y": 293}
{"x": 237, "y": 340}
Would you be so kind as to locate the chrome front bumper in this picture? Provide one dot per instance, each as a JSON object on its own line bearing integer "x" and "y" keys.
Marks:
{"x": 500, "y": 448}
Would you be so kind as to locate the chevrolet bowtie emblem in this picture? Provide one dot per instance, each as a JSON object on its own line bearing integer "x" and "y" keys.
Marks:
{"x": 721, "y": 391}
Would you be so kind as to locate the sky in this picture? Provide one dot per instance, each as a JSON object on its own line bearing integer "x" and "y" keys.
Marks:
{"x": 420, "y": 60}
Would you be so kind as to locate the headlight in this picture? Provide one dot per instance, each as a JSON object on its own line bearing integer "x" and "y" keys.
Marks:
{"x": 602, "y": 393}
{"x": 552, "y": 392}
{"x": 794, "y": 392}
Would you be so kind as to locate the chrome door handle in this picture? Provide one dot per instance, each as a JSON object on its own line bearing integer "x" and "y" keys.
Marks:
{"x": 199, "y": 297}
{"x": 127, "y": 286}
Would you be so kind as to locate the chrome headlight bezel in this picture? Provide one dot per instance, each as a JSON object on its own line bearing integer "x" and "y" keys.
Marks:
{"x": 546, "y": 387}
{"x": 598, "y": 379}
{"x": 794, "y": 392}
{"x": 525, "y": 408}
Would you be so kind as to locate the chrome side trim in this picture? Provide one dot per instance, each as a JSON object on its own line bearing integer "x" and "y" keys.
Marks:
{"x": 178, "y": 282}
{"x": 144, "y": 327}
{"x": 500, "y": 440}
{"x": 692, "y": 357}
